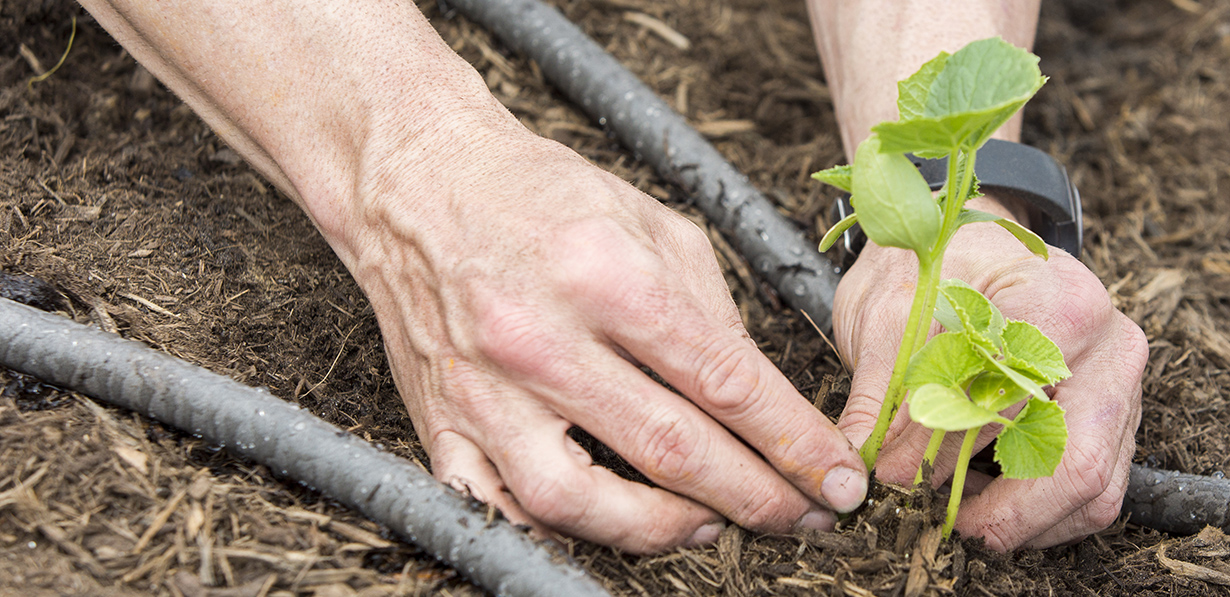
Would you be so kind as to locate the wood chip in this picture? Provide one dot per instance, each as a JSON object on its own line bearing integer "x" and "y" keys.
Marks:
{"x": 657, "y": 27}
{"x": 134, "y": 457}
{"x": 1190, "y": 570}
{"x": 83, "y": 557}
{"x": 148, "y": 304}
{"x": 159, "y": 520}
{"x": 716, "y": 129}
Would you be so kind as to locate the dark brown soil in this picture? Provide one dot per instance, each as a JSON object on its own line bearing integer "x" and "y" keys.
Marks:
{"x": 114, "y": 193}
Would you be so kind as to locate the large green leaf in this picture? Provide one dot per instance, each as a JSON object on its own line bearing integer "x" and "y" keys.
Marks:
{"x": 983, "y": 75}
{"x": 838, "y": 176}
{"x": 947, "y": 359}
{"x": 978, "y": 89}
{"x": 1029, "y": 351}
{"x": 912, "y": 92}
{"x": 893, "y": 202}
{"x": 1033, "y": 444}
{"x": 941, "y": 407}
{"x": 995, "y": 392}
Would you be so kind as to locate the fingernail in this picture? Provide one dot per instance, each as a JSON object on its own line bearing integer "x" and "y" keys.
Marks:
{"x": 844, "y": 489}
{"x": 820, "y": 520}
{"x": 706, "y": 534}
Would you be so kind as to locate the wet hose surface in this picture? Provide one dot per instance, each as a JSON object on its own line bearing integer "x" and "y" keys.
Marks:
{"x": 292, "y": 442}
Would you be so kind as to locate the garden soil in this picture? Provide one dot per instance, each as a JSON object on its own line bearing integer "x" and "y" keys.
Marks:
{"x": 128, "y": 213}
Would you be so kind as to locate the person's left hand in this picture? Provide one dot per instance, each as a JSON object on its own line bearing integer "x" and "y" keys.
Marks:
{"x": 1105, "y": 350}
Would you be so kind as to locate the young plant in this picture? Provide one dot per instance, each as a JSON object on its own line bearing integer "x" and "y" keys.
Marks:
{"x": 983, "y": 364}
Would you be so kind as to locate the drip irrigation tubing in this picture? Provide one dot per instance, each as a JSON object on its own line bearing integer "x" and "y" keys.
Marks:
{"x": 614, "y": 97}
{"x": 266, "y": 429}
{"x": 405, "y": 498}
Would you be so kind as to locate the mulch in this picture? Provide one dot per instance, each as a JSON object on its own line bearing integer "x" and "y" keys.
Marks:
{"x": 143, "y": 222}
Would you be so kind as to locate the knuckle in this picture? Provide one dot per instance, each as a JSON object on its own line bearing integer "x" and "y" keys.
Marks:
{"x": 1000, "y": 538}
{"x": 771, "y": 512}
{"x": 1104, "y": 511}
{"x": 555, "y": 501}
{"x": 672, "y": 449}
{"x": 513, "y": 336}
{"x": 1088, "y": 472}
{"x": 729, "y": 376}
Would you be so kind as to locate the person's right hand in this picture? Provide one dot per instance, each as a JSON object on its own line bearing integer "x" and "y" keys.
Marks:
{"x": 517, "y": 286}
{"x": 520, "y": 303}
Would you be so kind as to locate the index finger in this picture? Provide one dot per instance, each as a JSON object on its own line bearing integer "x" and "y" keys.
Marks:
{"x": 730, "y": 379}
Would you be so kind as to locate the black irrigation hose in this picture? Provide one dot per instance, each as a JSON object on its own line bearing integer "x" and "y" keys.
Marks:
{"x": 593, "y": 79}
{"x": 277, "y": 434}
{"x": 658, "y": 135}
{"x": 1178, "y": 503}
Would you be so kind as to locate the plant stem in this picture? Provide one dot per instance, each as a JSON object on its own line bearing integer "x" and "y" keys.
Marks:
{"x": 958, "y": 478}
{"x": 933, "y": 450}
{"x": 928, "y": 273}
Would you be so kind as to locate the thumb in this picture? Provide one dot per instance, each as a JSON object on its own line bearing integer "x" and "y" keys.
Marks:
{"x": 872, "y": 371}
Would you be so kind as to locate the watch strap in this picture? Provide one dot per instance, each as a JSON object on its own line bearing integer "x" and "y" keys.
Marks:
{"x": 1007, "y": 169}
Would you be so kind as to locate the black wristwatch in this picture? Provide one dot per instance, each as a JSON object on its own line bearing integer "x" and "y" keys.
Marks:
{"x": 1004, "y": 169}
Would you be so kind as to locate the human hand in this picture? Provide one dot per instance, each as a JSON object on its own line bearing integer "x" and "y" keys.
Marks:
{"x": 1105, "y": 350}
{"x": 521, "y": 301}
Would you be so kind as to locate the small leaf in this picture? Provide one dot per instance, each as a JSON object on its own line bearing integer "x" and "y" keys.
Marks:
{"x": 948, "y": 359}
{"x": 912, "y": 92}
{"x": 836, "y": 231}
{"x": 893, "y": 202}
{"x": 1033, "y": 444}
{"x": 975, "y": 314}
{"x": 838, "y": 176}
{"x": 941, "y": 407}
{"x": 973, "y": 216}
{"x": 1021, "y": 380}
{"x": 1032, "y": 241}
{"x": 995, "y": 392}
{"x": 1029, "y": 351}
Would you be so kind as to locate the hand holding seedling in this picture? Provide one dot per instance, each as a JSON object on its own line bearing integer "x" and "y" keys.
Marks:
{"x": 984, "y": 365}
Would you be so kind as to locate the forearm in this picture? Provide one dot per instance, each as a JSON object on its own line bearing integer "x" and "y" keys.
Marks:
{"x": 869, "y": 45}
{"x": 320, "y": 97}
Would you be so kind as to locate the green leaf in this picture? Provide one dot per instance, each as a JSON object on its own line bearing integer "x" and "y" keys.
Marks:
{"x": 1029, "y": 351}
{"x": 1021, "y": 380}
{"x": 1033, "y": 444}
{"x": 979, "y": 88}
{"x": 938, "y": 137}
{"x": 1032, "y": 241}
{"x": 838, "y": 176}
{"x": 948, "y": 359}
{"x": 912, "y": 92}
{"x": 995, "y": 392}
{"x": 941, "y": 407}
{"x": 973, "y": 216}
{"x": 893, "y": 202}
{"x": 966, "y": 310}
{"x": 983, "y": 75}
{"x": 836, "y": 231}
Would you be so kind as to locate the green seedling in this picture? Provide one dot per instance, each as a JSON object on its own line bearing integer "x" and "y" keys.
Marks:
{"x": 983, "y": 364}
